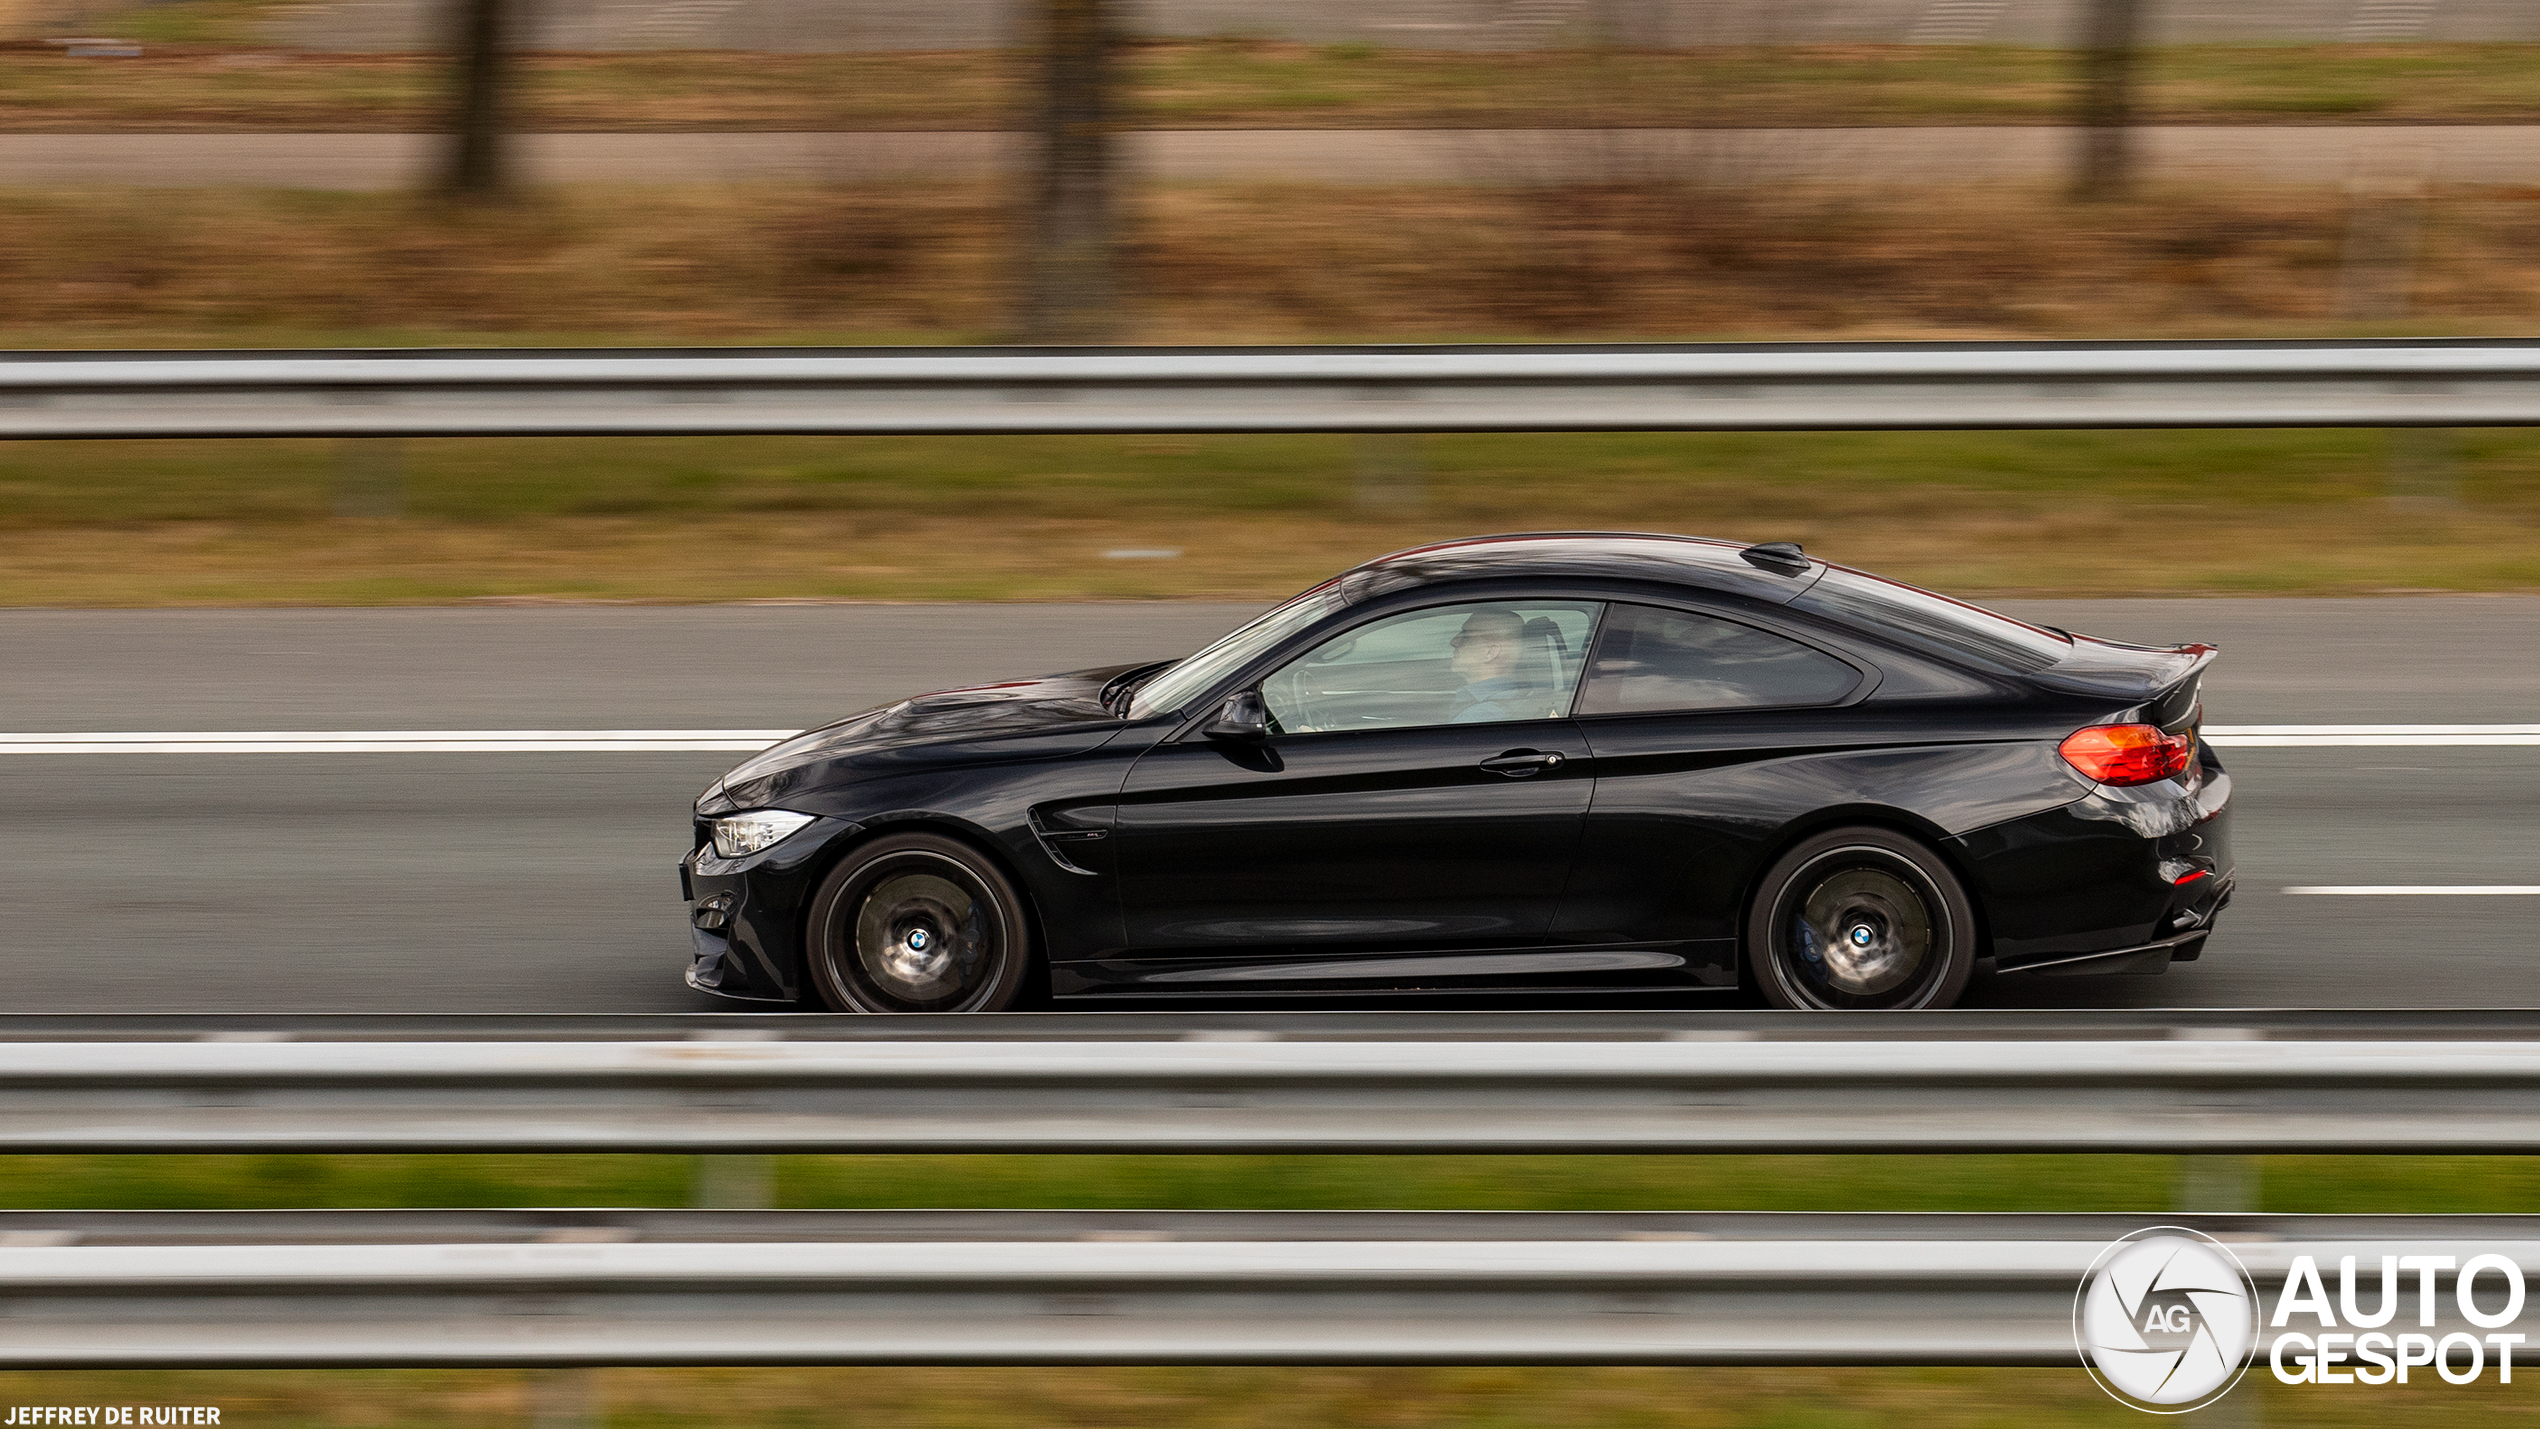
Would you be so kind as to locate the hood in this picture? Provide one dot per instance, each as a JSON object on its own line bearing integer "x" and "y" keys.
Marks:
{"x": 1046, "y": 718}
{"x": 2116, "y": 670}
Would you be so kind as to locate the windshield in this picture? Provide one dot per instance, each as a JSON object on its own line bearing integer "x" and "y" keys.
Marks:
{"x": 1188, "y": 680}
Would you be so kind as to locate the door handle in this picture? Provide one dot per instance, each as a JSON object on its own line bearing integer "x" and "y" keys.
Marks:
{"x": 1522, "y": 763}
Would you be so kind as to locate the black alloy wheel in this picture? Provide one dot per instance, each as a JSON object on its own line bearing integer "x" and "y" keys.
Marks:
{"x": 1860, "y": 920}
{"x": 916, "y": 923}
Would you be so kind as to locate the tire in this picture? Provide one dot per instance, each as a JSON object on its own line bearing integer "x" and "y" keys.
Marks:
{"x": 1860, "y": 919}
{"x": 917, "y": 923}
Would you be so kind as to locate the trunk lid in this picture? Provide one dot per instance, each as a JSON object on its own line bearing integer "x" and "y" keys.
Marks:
{"x": 2163, "y": 678}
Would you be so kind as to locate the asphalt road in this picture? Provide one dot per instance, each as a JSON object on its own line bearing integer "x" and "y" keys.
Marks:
{"x": 544, "y": 882}
{"x": 2313, "y": 153}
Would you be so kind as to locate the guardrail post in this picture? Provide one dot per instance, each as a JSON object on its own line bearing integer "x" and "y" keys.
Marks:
{"x": 2380, "y": 257}
{"x": 370, "y": 477}
{"x": 734, "y": 1183}
{"x": 2424, "y": 469}
{"x": 565, "y": 1399}
{"x": 2223, "y": 1183}
{"x": 2217, "y": 1183}
{"x": 1390, "y": 470}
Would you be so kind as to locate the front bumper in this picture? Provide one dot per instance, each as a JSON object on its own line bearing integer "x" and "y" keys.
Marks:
{"x": 745, "y": 915}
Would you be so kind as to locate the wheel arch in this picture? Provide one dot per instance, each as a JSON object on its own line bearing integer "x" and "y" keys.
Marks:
{"x": 1860, "y": 815}
{"x": 962, "y": 831}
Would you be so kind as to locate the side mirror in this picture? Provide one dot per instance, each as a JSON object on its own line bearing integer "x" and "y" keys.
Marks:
{"x": 1242, "y": 720}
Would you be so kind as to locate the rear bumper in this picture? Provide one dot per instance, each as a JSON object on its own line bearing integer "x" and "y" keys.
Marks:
{"x": 2149, "y": 958}
{"x": 2119, "y": 881}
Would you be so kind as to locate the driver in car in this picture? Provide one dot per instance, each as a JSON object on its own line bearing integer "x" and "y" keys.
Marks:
{"x": 1486, "y": 652}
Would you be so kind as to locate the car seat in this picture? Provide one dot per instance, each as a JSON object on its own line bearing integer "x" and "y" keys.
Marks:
{"x": 1543, "y": 665}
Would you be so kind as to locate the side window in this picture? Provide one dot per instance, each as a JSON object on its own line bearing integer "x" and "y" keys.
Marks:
{"x": 1457, "y": 664}
{"x": 1652, "y": 659}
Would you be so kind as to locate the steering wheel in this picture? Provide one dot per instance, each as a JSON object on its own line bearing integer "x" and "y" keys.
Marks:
{"x": 1296, "y": 701}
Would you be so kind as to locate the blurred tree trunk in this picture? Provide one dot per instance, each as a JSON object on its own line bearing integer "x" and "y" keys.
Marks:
{"x": 478, "y": 163}
{"x": 2111, "y": 33}
{"x": 1069, "y": 282}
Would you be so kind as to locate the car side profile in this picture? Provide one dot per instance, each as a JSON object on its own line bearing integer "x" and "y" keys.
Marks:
{"x": 1553, "y": 763}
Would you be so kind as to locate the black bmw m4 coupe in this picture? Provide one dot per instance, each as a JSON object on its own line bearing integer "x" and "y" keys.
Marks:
{"x": 1549, "y": 764}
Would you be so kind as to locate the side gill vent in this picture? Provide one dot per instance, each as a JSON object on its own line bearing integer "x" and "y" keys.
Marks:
{"x": 1059, "y": 842}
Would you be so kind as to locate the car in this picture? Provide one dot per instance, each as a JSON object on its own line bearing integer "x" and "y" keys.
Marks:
{"x": 1543, "y": 764}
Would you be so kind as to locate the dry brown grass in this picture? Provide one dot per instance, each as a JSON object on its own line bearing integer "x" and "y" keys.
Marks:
{"x": 1942, "y": 541}
{"x": 1236, "y": 262}
{"x": 1663, "y": 259}
{"x": 676, "y": 263}
{"x": 206, "y": 67}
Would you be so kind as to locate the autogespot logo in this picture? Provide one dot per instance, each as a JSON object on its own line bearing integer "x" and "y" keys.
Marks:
{"x": 2165, "y": 1320}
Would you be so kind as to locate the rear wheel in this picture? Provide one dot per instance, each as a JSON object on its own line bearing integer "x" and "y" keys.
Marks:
{"x": 917, "y": 923}
{"x": 1861, "y": 919}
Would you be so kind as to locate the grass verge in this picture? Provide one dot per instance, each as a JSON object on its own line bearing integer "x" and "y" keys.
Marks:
{"x": 2145, "y": 1184}
{"x": 221, "y": 64}
{"x": 698, "y": 519}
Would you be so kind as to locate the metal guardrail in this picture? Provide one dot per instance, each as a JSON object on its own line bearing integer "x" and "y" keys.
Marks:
{"x": 1698, "y": 1091}
{"x": 1353, "y": 389}
{"x": 603, "y": 1287}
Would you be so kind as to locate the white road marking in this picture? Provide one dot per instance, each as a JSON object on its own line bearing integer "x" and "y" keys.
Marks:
{"x": 2334, "y": 736}
{"x": 2424, "y": 890}
{"x": 658, "y": 741}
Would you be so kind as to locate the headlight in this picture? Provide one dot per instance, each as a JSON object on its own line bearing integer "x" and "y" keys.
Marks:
{"x": 745, "y": 834}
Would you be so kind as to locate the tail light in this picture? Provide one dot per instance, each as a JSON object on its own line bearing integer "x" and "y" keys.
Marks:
{"x": 2128, "y": 753}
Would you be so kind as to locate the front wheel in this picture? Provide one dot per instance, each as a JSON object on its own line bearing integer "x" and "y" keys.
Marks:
{"x": 916, "y": 923}
{"x": 1861, "y": 920}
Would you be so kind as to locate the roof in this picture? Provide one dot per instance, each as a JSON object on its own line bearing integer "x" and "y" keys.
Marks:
{"x": 1613, "y": 555}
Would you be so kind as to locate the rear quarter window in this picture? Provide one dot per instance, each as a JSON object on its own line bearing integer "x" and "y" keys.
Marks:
{"x": 1648, "y": 659}
{"x": 1920, "y": 619}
